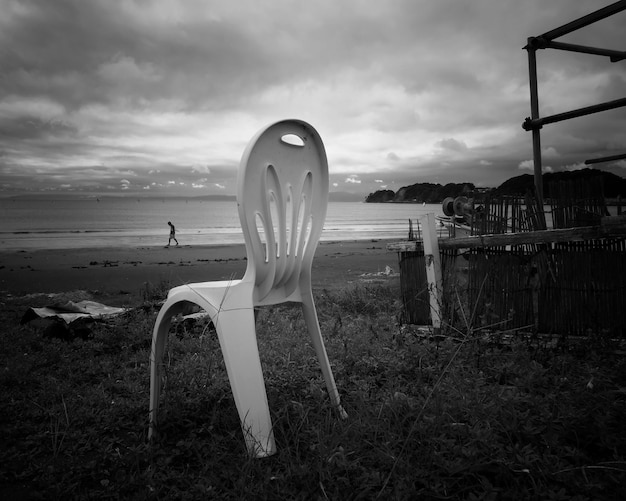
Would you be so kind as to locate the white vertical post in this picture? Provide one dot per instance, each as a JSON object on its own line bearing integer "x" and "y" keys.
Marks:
{"x": 433, "y": 267}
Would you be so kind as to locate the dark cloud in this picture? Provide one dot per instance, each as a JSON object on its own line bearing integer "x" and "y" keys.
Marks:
{"x": 26, "y": 127}
{"x": 165, "y": 94}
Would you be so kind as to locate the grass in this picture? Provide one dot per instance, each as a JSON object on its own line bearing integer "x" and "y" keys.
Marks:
{"x": 455, "y": 416}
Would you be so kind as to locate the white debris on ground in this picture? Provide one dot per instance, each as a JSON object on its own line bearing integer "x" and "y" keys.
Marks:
{"x": 70, "y": 311}
{"x": 388, "y": 272}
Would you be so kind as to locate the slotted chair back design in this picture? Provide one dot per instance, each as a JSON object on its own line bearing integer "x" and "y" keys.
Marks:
{"x": 282, "y": 201}
{"x": 282, "y": 197}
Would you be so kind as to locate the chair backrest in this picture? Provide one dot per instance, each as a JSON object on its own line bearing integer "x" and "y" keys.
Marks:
{"x": 282, "y": 197}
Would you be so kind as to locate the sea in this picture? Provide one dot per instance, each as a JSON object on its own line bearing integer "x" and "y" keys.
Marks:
{"x": 32, "y": 223}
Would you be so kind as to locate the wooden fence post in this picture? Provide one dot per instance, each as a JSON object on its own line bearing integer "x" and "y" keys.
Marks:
{"x": 433, "y": 268}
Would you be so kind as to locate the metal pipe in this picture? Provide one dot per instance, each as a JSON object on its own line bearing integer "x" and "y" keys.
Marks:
{"x": 534, "y": 112}
{"x": 615, "y": 55}
{"x": 538, "y": 123}
{"x": 605, "y": 159}
{"x": 581, "y": 22}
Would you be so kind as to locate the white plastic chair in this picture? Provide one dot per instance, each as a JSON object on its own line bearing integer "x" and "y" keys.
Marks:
{"x": 282, "y": 197}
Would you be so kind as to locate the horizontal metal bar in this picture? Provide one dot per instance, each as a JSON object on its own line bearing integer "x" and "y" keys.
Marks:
{"x": 581, "y": 22}
{"x": 605, "y": 159}
{"x": 615, "y": 55}
{"x": 538, "y": 123}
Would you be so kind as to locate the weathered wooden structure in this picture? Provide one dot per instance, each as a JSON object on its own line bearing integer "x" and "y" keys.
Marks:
{"x": 566, "y": 281}
{"x": 505, "y": 214}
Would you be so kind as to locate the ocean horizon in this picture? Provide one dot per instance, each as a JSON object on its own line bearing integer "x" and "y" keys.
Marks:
{"x": 34, "y": 223}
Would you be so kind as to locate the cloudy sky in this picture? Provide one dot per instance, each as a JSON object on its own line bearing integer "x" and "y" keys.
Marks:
{"x": 161, "y": 96}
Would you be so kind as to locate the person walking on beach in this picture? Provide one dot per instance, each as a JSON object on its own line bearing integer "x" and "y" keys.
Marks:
{"x": 172, "y": 234}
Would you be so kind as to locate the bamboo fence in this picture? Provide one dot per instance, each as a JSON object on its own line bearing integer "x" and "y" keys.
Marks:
{"x": 570, "y": 280}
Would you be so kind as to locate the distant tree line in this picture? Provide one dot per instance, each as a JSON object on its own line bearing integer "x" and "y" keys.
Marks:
{"x": 614, "y": 187}
{"x": 421, "y": 192}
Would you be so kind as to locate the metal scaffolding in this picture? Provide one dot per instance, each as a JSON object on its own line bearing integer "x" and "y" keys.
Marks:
{"x": 534, "y": 123}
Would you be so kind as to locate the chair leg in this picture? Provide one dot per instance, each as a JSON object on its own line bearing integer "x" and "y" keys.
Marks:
{"x": 237, "y": 336}
{"x": 312, "y": 323}
{"x": 159, "y": 338}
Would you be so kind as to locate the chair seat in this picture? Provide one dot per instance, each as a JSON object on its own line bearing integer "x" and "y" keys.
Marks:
{"x": 221, "y": 285}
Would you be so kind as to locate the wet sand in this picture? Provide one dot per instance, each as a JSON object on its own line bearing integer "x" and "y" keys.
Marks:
{"x": 124, "y": 272}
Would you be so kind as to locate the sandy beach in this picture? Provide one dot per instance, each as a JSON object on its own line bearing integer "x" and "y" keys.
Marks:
{"x": 122, "y": 273}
